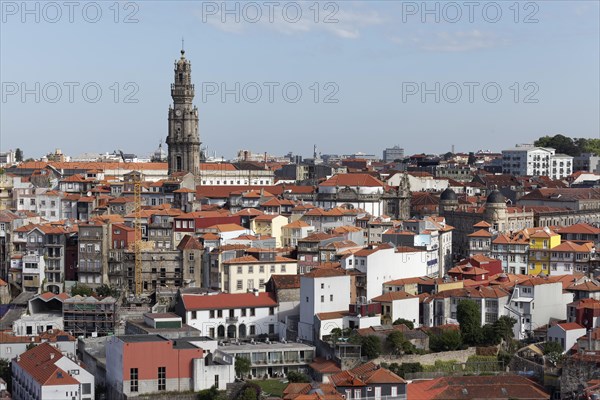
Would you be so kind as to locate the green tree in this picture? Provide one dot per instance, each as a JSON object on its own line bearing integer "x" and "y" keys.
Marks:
{"x": 81, "y": 290}
{"x": 336, "y": 334}
{"x": 6, "y": 373}
{"x": 242, "y": 366}
{"x": 562, "y": 144}
{"x": 208, "y": 394}
{"x": 297, "y": 377}
{"x": 471, "y": 160}
{"x": 552, "y": 347}
{"x": 468, "y": 315}
{"x": 402, "y": 321}
{"x": 371, "y": 346}
{"x": 18, "y": 155}
{"x": 248, "y": 394}
{"x": 504, "y": 328}
{"x": 447, "y": 340}
{"x": 398, "y": 343}
{"x": 106, "y": 291}
{"x": 489, "y": 336}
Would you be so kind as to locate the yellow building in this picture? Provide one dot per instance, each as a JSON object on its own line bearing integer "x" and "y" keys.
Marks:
{"x": 252, "y": 271}
{"x": 6, "y": 186}
{"x": 541, "y": 244}
{"x": 269, "y": 225}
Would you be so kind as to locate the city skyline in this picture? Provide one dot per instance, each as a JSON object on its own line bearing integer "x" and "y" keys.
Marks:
{"x": 363, "y": 69}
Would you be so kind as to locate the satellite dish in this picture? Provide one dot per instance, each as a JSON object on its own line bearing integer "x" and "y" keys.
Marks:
{"x": 89, "y": 194}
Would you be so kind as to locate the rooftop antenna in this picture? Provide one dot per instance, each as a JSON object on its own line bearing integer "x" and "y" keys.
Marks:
{"x": 182, "y": 47}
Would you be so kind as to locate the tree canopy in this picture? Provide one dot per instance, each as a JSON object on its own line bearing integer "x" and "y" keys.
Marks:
{"x": 402, "y": 321}
{"x": 468, "y": 315}
{"x": 566, "y": 145}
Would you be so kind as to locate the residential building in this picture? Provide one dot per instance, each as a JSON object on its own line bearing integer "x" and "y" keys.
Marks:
{"x": 322, "y": 290}
{"x": 566, "y": 334}
{"x": 252, "y": 271}
{"x": 535, "y": 301}
{"x": 512, "y": 249}
{"x": 369, "y": 381}
{"x": 272, "y": 359}
{"x": 269, "y": 225}
{"x": 441, "y": 308}
{"x": 94, "y": 241}
{"x": 138, "y": 365}
{"x": 44, "y": 373}
{"x": 527, "y": 160}
{"x": 393, "y": 153}
{"x": 89, "y": 316}
{"x": 398, "y": 304}
{"x": 12, "y": 346}
{"x": 293, "y": 232}
{"x": 231, "y": 316}
{"x": 541, "y": 245}
{"x": 569, "y": 257}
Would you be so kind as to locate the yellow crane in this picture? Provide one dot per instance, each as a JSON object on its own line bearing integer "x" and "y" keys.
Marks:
{"x": 137, "y": 226}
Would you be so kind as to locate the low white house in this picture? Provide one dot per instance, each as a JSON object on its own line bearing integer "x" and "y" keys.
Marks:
{"x": 398, "y": 304}
{"x": 566, "y": 334}
{"x": 44, "y": 373}
{"x": 231, "y": 315}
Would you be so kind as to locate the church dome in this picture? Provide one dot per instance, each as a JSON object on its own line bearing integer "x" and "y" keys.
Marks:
{"x": 448, "y": 195}
{"x": 496, "y": 198}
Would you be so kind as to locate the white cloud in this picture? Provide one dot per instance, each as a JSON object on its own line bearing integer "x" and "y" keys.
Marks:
{"x": 341, "y": 21}
{"x": 460, "y": 41}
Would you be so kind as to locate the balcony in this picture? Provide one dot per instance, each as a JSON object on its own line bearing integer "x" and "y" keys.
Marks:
{"x": 231, "y": 320}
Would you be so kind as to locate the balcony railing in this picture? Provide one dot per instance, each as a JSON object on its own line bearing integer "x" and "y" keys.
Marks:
{"x": 231, "y": 320}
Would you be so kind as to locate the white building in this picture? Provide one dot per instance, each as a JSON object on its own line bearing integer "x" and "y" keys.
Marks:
{"x": 527, "y": 160}
{"x": 44, "y": 373}
{"x": 321, "y": 290}
{"x": 231, "y": 316}
{"x": 398, "y": 304}
{"x": 534, "y": 301}
{"x": 566, "y": 334}
{"x": 419, "y": 181}
{"x": 358, "y": 191}
{"x": 387, "y": 263}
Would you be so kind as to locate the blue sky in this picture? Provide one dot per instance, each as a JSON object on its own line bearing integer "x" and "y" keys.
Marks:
{"x": 366, "y": 55}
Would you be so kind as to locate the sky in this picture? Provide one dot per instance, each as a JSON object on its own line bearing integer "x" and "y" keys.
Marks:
{"x": 348, "y": 76}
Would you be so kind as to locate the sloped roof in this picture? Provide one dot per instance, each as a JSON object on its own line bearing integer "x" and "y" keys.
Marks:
{"x": 189, "y": 242}
{"x": 40, "y": 363}
{"x": 353, "y": 180}
{"x": 227, "y": 301}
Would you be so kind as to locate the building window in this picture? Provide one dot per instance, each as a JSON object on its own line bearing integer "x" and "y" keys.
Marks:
{"x": 216, "y": 381}
{"x": 133, "y": 380}
{"x": 219, "y": 313}
{"x": 239, "y": 284}
{"x": 243, "y": 312}
{"x": 271, "y": 310}
{"x": 322, "y": 299}
{"x": 272, "y": 269}
{"x": 162, "y": 378}
{"x": 271, "y": 329}
{"x": 252, "y": 312}
{"x": 193, "y": 315}
{"x": 261, "y": 269}
{"x": 252, "y": 330}
{"x": 239, "y": 270}
{"x": 283, "y": 268}
{"x": 250, "y": 269}
{"x": 330, "y": 297}
{"x": 212, "y": 313}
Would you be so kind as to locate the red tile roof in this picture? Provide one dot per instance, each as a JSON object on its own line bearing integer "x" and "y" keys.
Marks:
{"x": 40, "y": 363}
{"x": 353, "y": 180}
{"x": 393, "y": 296}
{"x": 227, "y": 301}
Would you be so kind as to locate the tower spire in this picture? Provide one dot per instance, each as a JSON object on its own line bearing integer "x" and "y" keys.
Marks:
{"x": 182, "y": 47}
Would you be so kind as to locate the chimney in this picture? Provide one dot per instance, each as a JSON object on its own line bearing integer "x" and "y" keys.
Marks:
{"x": 52, "y": 356}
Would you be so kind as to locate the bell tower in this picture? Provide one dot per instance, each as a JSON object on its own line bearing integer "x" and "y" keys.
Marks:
{"x": 183, "y": 138}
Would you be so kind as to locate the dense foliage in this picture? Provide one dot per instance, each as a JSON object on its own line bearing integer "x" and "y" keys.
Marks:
{"x": 566, "y": 145}
{"x": 402, "y": 321}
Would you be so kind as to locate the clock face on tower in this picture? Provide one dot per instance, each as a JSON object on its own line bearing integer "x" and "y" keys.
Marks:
{"x": 178, "y": 113}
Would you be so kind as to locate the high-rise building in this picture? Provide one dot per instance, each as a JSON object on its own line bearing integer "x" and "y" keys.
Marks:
{"x": 183, "y": 138}
{"x": 393, "y": 153}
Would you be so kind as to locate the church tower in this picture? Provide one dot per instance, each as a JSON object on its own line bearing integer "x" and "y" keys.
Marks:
{"x": 183, "y": 138}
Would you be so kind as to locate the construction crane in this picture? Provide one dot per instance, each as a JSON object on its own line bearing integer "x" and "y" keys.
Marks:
{"x": 137, "y": 226}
